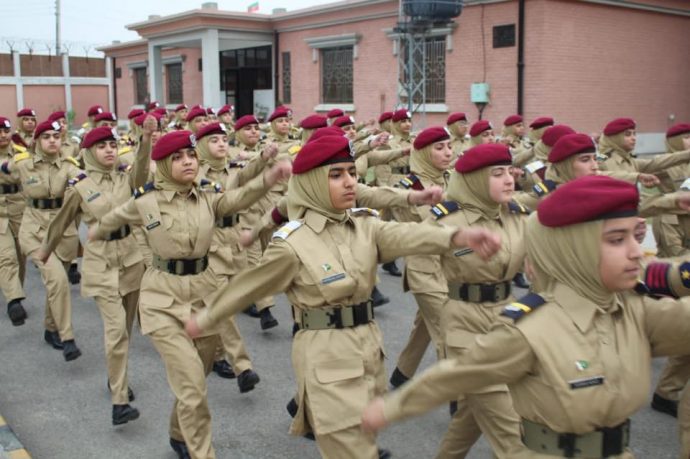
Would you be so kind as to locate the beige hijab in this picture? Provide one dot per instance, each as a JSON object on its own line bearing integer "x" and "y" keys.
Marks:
{"x": 310, "y": 190}
{"x": 395, "y": 130}
{"x": 421, "y": 165}
{"x": 536, "y": 134}
{"x": 205, "y": 156}
{"x": 453, "y": 128}
{"x": 568, "y": 255}
{"x": 43, "y": 156}
{"x": 609, "y": 144}
{"x": 278, "y": 137}
{"x": 471, "y": 190}
{"x": 674, "y": 144}
{"x": 91, "y": 164}
{"x": 541, "y": 151}
{"x": 163, "y": 179}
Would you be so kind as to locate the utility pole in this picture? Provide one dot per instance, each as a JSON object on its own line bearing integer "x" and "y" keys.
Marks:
{"x": 57, "y": 27}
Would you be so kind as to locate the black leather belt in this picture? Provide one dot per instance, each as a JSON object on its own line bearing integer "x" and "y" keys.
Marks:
{"x": 47, "y": 203}
{"x": 227, "y": 221}
{"x": 402, "y": 170}
{"x": 182, "y": 266}
{"x": 120, "y": 233}
{"x": 603, "y": 442}
{"x": 334, "y": 317}
{"x": 9, "y": 189}
{"x": 480, "y": 293}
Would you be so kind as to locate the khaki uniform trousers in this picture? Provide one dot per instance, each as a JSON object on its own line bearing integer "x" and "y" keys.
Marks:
{"x": 254, "y": 253}
{"x": 12, "y": 261}
{"x": 187, "y": 363}
{"x": 674, "y": 377}
{"x": 58, "y": 311}
{"x": 232, "y": 345}
{"x": 684, "y": 424}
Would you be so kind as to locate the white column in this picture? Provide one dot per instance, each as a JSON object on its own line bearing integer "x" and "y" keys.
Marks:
{"x": 68, "y": 83}
{"x": 210, "y": 56}
{"x": 17, "y": 64}
{"x": 109, "y": 76}
{"x": 155, "y": 73}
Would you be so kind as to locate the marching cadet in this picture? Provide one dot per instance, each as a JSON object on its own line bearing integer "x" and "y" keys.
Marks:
{"x": 211, "y": 115}
{"x": 91, "y": 114}
{"x": 26, "y": 125}
{"x": 513, "y": 134}
{"x": 481, "y": 132}
{"x": 458, "y": 127}
{"x": 537, "y": 128}
{"x": 44, "y": 177}
{"x": 112, "y": 267}
{"x": 535, "y": 161}
{"x": 577, "y": 353}
{"x": 429, "y": 163}
{"x": 107, "y": 119}
{"x": 385, "y": 121}
{"x": 196, "y": 119}
{"x": 67, "y": 146}
{"x": 226, "y": 255}
{"x": 179, "y": 116}
{"x": 12, "y": 204}
{"x": 310, "y": 124}
{"x": 153, "y": 106}
{"x": 132, "y": 135}
{"x": 179, "y": 219}
{"x": 226, "y": 115}
{"x": 333, "y": 114}
{"x": 325, "y": 261}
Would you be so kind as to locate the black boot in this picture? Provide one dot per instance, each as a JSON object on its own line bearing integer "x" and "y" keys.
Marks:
{"x": 384, "y": 454}
{"x": 16, "y": 312}
{"x": 391, "y": 268}
{"x": 180, "y": 449}
{"x": 520, "y": 280}
{"x": 73, "y": 274}
{"x": 665, "y": 405}
{"x": 267, "y": 319}
{"x": 122, "y": 414}
{"x": 398, "y": 378}
{"x": 70, "y": 351}
{"x": 53, "y": 338}
{"x": 251, "y": 311}
{"x": 247, "y": 380}
{"x": 378, "y": 298}
{"x": 130, "y": 392}
{"x": 292, "y": 411}
{"x": 453, "y": 408}
{"x": 223, "y": 369}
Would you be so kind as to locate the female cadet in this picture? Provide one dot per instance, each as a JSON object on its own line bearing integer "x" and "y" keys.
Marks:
{"x": 457, "y": 125}
{"x": 44, "y": 177}
{"x": 481, "y": 132}
{"x": 179, "y": 219}
{"x": 196, "y": 119}
{"x": 577, "y": 357}
{"x": 26, "y": 125}
{"x": 429, "y": 163}
{"x": 325, "y": 260}
{"x": 310, "y": 124}
{"x": 112, "y": 267}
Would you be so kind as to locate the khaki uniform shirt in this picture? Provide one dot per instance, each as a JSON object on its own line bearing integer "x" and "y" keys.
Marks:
{"x": 384, "y": 173}
{"x": 11, "y": 205}
{"x": 617, "y": 162}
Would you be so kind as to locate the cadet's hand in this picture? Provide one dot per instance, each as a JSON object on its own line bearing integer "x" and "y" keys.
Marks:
{"x": 280, "y": 171}
{"x": 683, "y": 200}
{"x": 428, "y": 196}
{"x": 246, "y": 238}
{"x": 42, "y": 255}
{"x": 373, "y": 419}
{"x": 379, "y": 140}
{"x": 370, "y": 123}
{"x": 485, "y": 243}
{"x": 91, "y": 234}
{"x": 270, "y": 152}
{"x": 507, "y": 140}
{"x": 648, "y": 180}
{"x": 407, "y": 151}
{"x": 517, "y": 172}
{"x": 192, "y": 327}
{"x": 640, "y": 230}
{"x": 149, "y": 126}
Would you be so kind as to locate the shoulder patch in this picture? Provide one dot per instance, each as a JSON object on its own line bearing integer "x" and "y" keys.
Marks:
{"x": 76, "y": 179}
{"x": 20, "y": 148}
{"x": 445, "y": 208}
{"x": 365, "y": 211}
{"x": 21, "y": 156}
{"x": 523, "y": 306}
{"x": 287, "y": 229}
{"x": 656, "y": 280}
{"x": 72, "y": 160}
{"x": 208, "y": 185}
{"x": 142, "y": 190}
{"x": 294, "y": 149}
{"x": 411, "y": 181}
{"x": 124, "y": 151}
{"x": 517, "y": 208}
{"x": 544, "y": 188}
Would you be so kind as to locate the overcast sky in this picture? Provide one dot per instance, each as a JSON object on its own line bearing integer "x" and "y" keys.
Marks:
{"x": 89, "y": 23}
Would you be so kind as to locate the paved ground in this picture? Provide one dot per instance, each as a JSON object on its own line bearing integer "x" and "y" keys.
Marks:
{"x": 61, "y": 410}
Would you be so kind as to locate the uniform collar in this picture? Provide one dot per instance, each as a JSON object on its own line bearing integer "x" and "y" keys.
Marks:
{"x": 315, "y": 220}
{"x": 580, "y": 310}
{"x": 170, "y": 194}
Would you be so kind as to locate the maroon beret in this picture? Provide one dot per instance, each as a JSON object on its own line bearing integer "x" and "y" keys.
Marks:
{"x": 326, "y": 131}
{"x": 210, "y": 111}
{"x": 160, "y": 111}
{"x": 134, "y": 113}
{"x": 385, "y": 116}
{"x": 181, "y": 107}
{"x": 280, "y": 112}
{"x": 194, "y": 112}
{"x": 430, "y": 135}
{"x": 344, "y": 121}
{"x": 595, "y": 197}
{"x": 313, "y": 122}
{"x": 454, "y": 117}
{"x": 139, "y": 120}
{"x": 46, "y": 126}
{"x": 99, "y": 134}
{"x": 335, "y": 113}
{"x": 490, "y": 154}
{"x": 541, "y": 122}
{"x": 479, "y": 127}
{"x": 678, "y": 129}
{"x": 245, "y": 121}
{"x": 26, "y": 112}
{"x": 94, "y": 110}
{"x": 153, "y": 105}
{"x": 172, "y": 142}
{"x": 400, "y": 115}
{"x": 552, "y": 134}
{"x": 57, "y": 115}
{"x": 225, "y": 109}
{"x": 105, "y": 116}
{"x": 512, "y": 119}
{"x": 211, "y": 129}
{"x": 326, "y": 150}
{"x": 619, "y": 125}
{"x": 569, "y": 145}
{"x": 5, "y": 123}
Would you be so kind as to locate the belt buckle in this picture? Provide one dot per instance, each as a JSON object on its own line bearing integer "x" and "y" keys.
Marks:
{"x": 335, "y": 318}
{"x": 499, "y": 292}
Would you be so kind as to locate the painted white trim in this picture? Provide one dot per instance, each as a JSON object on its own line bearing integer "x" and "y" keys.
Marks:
{"x": 137, "y": 65}
{"x": 51, "y": 81}
{"x": 109, "y": 76}
{"x": 433, "y": 108}
{"x": 435, "y": 32}
{"x": 173, "y": 60}
{"x": 320, "y": 25}
{"x": 17, "y": 80}
{"x": 332, "y": 41}
{"x": 68, "y": 86}
{"x": 350, "y": 108}
{"x": 641, "y": 6}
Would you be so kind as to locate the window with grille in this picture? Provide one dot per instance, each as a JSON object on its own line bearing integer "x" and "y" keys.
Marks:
{"x": 141, "y": 86}
{"x": 174, "y": 75}
{"x": 435, "y": 78}
{"x": 287, "y": 79}
{"x": 336, "y": 75}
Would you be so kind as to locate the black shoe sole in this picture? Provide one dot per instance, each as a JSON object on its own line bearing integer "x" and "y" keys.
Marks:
{"x": 54, "y": 344}
{"x": 225, "y": 375}
{"x": 131, "y": 416}
{"x": 380, "y": 301}
{"x": 72, "y": 355}
{"x": 17, "y": 315}
{"x": 665, "y": 409}
{"x": 248, "y": 387}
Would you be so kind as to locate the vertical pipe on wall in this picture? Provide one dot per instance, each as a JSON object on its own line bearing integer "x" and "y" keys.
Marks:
{"x": 521, "y": 57}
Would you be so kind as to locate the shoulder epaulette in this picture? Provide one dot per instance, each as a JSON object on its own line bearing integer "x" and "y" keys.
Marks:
{"x": 445, "y": 208}
{"x": 4, "y": 167}
{"x": 85, "y": 125}
{"x": 124, "y": 167}
{"x": 76, "y": 179}
{"x": 294, "y": 149}
{"x": 210, "y": 185}
{"x": 72, "y": 160}
{"x": 544, "y": 188}
{"x": 20, "y": 148}
{"x": 523, "y": 306}
{"x": 517, "y": 208}
{"x": 142, "y": 190}
{"x": 656, "y": 279}
{"x": 357, "y": 211}
{"x": 287, "y": 229}
{"x": 124, "y": 151}
{"x": 411, "y": 181}
{"x": 21, "y": 156}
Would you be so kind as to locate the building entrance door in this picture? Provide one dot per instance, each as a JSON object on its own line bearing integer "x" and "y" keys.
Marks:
{"x": 242, "y": 72}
